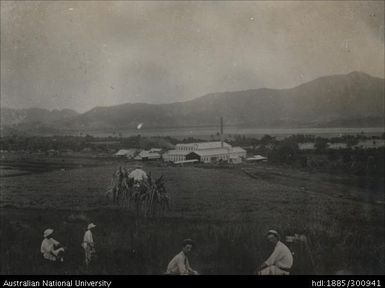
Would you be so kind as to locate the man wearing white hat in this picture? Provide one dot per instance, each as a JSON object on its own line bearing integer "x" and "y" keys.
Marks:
{"x": 88, "y": 244}
{"x": 280, "y": 261}
{"x": 49, "y": 247}
{"x": 138, "y": 174}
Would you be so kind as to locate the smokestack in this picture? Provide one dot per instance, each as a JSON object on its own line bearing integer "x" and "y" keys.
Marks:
{"x": 222, "y": 132}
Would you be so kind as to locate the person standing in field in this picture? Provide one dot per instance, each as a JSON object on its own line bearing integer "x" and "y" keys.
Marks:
{"x": 88, "y": 244}
{"x": 280, "y": 261}
{"x": 179, "y": 265}
{"x": 51, "y": 249}
{"x": 138, "y": 175}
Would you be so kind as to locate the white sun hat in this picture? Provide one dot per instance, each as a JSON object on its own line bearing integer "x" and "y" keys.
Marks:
{"x": 91, "y": 225}
{"x": 273, "y": 232}
{"x": 47, "y": 232}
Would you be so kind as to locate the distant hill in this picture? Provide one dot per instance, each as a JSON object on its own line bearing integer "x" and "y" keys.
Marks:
{"x": 352, "y": 100}
{"x": 34, "y": 118}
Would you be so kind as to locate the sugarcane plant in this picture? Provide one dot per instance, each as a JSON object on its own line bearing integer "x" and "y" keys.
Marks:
{"x": 149, "y": 198}
{"x": 119, "y": 188}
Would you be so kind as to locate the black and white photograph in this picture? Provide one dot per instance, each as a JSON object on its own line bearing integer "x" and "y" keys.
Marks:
{"x": 192, "y": 138}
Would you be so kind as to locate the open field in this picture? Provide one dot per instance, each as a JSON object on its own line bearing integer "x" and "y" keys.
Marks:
{"x": 226, "y": 211}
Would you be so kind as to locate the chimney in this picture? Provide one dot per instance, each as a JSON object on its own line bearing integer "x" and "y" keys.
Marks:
{"x": 221, "y": 132}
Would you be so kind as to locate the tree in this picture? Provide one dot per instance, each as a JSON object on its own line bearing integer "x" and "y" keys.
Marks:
{"x": 267, "y": 139}
{"x": 320, "y": 144}
{"x": 285, "y": 152}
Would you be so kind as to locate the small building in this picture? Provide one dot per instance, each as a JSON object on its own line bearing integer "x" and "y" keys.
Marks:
{"x": 372, "y": 143}
{"x": 238, "y": 152}
{"x": 126, "y": 153}
{"x": 175, "y": 155}
{"x": 156, "y": 150}
{"x": 147, "y": 155}
{"x": 306, "y": 146}
{"x": 257, "y": 158}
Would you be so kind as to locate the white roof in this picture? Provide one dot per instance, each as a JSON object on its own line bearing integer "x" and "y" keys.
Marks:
{"x": 237, "y": 150}
{"x": 212, "y": 145}
{"x": 211, "y": 152}
{"x": 156, "y": 149}
{"x": 372, "y": 143}
{"x": 257, "y": 157}
{"x": 124, "y": 151}
{"x": 148, "y": 154}
{"x": 205, "y": 145}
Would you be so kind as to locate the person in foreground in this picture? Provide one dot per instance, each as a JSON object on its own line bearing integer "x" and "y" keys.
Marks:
{"x": 51, "y": 249}
{"x": 179, "y": 265}
{"x": 88, "y": 244}
{"x": 280, "y": 261}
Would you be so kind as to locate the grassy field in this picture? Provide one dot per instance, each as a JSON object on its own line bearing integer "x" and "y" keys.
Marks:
{"x": 226, "y": 211}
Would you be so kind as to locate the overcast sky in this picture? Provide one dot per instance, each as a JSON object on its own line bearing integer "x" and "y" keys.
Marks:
{"x": 78, "y": 55}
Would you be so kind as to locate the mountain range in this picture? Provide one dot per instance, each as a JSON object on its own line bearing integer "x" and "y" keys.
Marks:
{"x": 352, "y": 100}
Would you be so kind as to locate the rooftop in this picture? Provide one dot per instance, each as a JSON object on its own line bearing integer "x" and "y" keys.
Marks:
{"x": 204, "y": 145}
{"x": 210, "y": 152}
